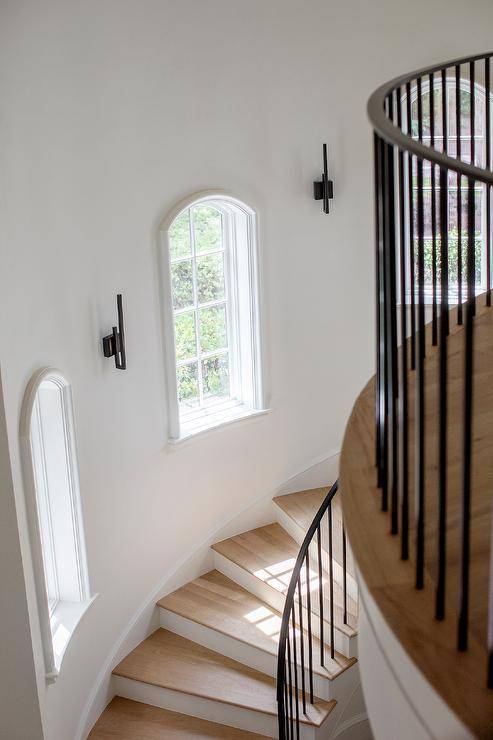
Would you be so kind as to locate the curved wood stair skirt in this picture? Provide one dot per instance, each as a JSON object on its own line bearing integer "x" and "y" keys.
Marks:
{"x": 458, "y": 678}
{"x": 210, "y": 670}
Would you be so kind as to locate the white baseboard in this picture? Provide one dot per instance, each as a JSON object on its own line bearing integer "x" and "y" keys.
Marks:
{"x": 320, "y": 471}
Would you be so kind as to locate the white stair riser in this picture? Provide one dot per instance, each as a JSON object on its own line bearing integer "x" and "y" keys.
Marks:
{"x": 207, "y": 709}
{"x": 343, "y": 643}
{"x": 298, "y": 534}
{"x": 237, "y": 650}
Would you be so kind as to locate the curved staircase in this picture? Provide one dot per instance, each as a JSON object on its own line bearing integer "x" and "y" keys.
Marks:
{"x": 210, "y": 670}
{"x": 416, "y": 464}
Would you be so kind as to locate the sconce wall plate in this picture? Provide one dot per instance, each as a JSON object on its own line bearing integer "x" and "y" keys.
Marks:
{"x": 114, "y": 343}
{"x": 324, "y": 189}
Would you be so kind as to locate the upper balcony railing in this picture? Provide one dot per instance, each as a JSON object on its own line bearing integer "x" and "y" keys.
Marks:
{"x": 433, "y": 179}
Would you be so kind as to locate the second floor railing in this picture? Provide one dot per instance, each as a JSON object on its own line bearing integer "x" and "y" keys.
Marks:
{"x": 433, "y": 179}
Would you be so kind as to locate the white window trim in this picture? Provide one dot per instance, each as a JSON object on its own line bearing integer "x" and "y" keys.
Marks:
{"x": 58, "y": 624}
{"x": 230, "y": 411}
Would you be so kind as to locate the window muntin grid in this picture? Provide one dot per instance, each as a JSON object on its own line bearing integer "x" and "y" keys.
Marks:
{"x": 201, "y": 308}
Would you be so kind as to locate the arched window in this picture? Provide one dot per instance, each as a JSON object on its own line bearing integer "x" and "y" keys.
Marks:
{"x": 212, "y": 314}
{"x": 457, "y": 114}
{"x": 54, "y": 510}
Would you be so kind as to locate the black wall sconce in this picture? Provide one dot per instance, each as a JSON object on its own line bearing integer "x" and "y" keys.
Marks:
{"x": 324, "y": 189}
{"x": 114, "y": 343}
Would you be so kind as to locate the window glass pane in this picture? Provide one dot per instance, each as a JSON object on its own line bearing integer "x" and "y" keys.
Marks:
{"x": 179, "y": 236}
{"x": 38, "y": 446}
{"x": 210, "y": 277}
{"x": 215, "y": 373}
{"x": 188, "y": 385}
{"x": 213, "y": 328}
{"x": 182, "y": 284}
{"x": 185, "y": 340}
{"x": 208, "y": 228}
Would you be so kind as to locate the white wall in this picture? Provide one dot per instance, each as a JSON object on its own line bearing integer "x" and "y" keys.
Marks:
{"x": 112, "y": 110}
{"x": 18, "y": 686}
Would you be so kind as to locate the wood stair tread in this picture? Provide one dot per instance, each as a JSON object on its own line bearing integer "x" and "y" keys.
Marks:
{"x": 133, "y": 720}
{"x": 303, "y": 505}
{"x": 167, "y": 660}
{"x": 215, "y": 601}
{"x": 269, "y": 553}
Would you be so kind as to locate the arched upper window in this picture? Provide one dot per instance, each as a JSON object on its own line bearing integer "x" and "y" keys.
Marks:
{"x": 457, "y": 121}
{"x": 54, "y": 510}
{"x": 214, "y": 347}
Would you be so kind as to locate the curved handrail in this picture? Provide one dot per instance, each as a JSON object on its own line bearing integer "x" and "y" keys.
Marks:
{"x": 427, "y": 238}
{"x": 289, "y": 604}
{"x": 393, "y": 135}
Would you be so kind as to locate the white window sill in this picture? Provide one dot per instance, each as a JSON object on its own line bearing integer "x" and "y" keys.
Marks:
{"x": 213, "y": 419}
{"x": 64, "y": 620}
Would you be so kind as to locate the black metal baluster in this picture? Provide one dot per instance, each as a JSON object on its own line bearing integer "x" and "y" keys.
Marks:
{"x": 344, "y": 573}
{"x": 320, "y": 596}
{"x": 403, "y": 395}
{"x": 420, "y": 387}
{"x": 380, "y": 318}
{"x": 331, "y": 581}
{"x": 445, "y": 150}
{"x": 489, "y": 635}
{"x": 411, "y": 230}
{"x": 458, "y": 124}
{"x": 302, "y": 645}
{"x": 391, "y": 330}
{"x": 442, "y": 410}
{"x": 467, "y": 425}
{"x": 286, "y": 704}
{"x": 295, "y": 667}
{"x": 290, "y": 685}
{"x": 434, "y": 329}
{"x": 472, "y": 111}
{"x": 488, "y": 187}
{"x": 384, "y": 359}
{"x": 309, "y": 620}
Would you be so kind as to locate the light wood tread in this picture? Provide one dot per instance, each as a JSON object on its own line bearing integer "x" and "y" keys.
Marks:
{"x": 132, "y": 720}
{"x": 217, "y": 602}
{"x": 301, "y": 508}
{"x": 303, "y": 505}
{"x": 460, "y": 678}
{"x": 269, "y": 553}
{"x": 167, "y": 660}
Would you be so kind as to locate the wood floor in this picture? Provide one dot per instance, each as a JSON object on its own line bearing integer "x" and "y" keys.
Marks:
{"x": 133, "y": 720}
{"x": 458, "y": 677}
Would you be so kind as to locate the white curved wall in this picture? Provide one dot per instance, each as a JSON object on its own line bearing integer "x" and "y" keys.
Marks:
{"x": 111, "y": 112}
{"x": 400, "y": 701}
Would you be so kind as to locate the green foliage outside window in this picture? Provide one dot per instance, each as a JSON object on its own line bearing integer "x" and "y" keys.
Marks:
{"x": 213, "y": 328}
{"x": 453, "y": 250}
{"x": 188, "y": 385}
{"x": 179, "y": 236}
{"x": 185, "y": 341}
{"x": 207, "y": 224}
